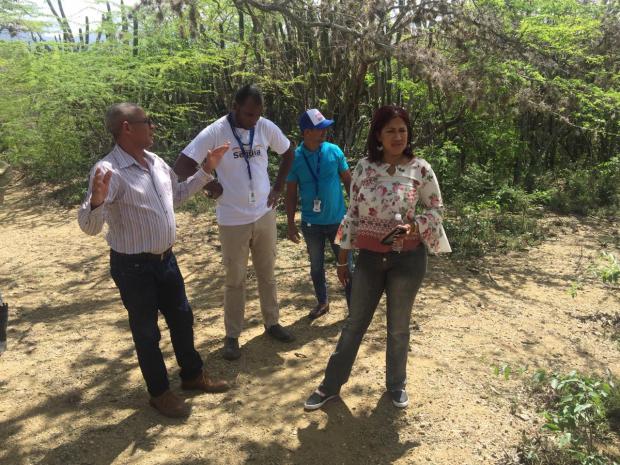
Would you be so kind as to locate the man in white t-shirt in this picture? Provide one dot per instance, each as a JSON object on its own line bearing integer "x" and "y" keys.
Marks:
{"x": 246, "y": 207}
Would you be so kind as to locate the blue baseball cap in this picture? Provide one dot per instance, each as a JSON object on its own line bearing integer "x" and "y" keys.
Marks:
{"x": 313, "y": 119}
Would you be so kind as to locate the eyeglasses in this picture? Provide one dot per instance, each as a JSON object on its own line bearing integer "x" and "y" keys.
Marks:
{"x": 148, "y": 121}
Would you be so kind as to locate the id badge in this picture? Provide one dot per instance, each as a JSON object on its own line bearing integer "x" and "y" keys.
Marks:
{"x": 252, "y": 198}
{"x": 317, "y": 206}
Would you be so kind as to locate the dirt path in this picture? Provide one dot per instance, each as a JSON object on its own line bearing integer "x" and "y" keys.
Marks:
{"x": 71, "y": 392}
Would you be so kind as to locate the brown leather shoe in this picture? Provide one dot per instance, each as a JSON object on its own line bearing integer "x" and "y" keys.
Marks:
{"x": 319, "y": 310}
{"x": 170, "y": 405}
{"x": 203, "y": 383}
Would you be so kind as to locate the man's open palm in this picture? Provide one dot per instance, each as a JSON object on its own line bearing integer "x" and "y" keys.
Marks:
{"x": 214, "y": 157}
{"x": 101, "y": 186}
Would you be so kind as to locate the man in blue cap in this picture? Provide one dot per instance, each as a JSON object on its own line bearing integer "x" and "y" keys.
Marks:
{"x": 318, "y": 170}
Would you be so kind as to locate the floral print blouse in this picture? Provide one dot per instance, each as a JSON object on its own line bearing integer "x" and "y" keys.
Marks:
{"x": 377, "y": 196}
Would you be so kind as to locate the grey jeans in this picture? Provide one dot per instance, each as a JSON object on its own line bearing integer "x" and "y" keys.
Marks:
{"x": 400, "y": 276}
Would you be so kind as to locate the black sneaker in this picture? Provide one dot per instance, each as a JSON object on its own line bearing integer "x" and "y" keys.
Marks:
{"x": 279, "y": 333}
{"x": 317, "y": 399}
{"x": 231, "y": 349}
{"x": 399, "y": 398}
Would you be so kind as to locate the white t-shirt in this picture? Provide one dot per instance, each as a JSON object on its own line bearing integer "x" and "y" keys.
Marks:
{"x": 234, "y": 206}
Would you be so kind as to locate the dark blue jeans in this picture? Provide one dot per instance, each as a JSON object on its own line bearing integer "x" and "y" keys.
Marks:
{"x": 146, "y": 286}
{"x": 400, "y": 276}
{"x": 315, "y": 236}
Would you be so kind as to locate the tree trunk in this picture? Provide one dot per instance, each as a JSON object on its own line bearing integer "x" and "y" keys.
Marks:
{"x": 135, "y": 35}
{"x": 241, "y": 25}
{"x": 62, "y": 21}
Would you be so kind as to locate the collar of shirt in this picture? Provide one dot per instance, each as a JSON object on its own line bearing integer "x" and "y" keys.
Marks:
{"x": 125, "y": 160}
{"x": 239, "y": 128}
{"x": 307, "y": 152}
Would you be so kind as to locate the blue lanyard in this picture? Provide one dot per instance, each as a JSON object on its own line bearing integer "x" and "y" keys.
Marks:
{"x": 318, "y": 170}
{"x": 246, "y": 155}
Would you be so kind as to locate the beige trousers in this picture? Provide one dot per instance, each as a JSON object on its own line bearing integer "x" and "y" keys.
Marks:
{"x": 237, "y": 241}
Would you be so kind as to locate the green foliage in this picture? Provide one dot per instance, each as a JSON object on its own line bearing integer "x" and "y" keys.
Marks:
{"x": 587, "y": 190}
{"x": 16, "y": 17}
{"x": 506, "y": 370}
{"x": 199, "y": 204}
{"x": 563, "y": 27}
{"x": 502, "y": 369}
{"x": 578, "y": 409}
{"x": 513, "y": 199}
{"x": 574, "y": 288}
{"x": 502, "y": 218}
{"x": 609, "y": 270}
{"x": 480, "y": 229}
{"x": 605, "y": 268}
{"x": 577, "y": 412}
{"x": 51, "y": 109}
{"x": 516, "y": 112}
{"x": 444, "y": 160}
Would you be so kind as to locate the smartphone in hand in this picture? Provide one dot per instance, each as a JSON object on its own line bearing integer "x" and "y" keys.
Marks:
{"x": 388, "y": 239}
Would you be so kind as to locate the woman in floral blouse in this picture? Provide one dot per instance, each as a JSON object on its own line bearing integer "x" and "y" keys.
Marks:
{"x": 390, "y": 181}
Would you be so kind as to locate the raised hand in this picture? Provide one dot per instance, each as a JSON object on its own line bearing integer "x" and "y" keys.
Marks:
{"x": 101, "y": 186}
{"x": 214, "y": 157}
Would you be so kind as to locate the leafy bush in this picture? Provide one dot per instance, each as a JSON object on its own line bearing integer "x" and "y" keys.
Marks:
{"x": 583, "y": 191}
{"x": 609, "y": 270}
{"x": 443, "y": 158}
{"x": 477, "y": 229}
{"x": 578, "y": 409}
{"x": 513, "y": 199}
{"x": 605, "y": 268}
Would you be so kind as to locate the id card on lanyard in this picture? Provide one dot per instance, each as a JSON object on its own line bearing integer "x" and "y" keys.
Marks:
{"x": 246, "y": 156}
{"x": 316, "y": 204}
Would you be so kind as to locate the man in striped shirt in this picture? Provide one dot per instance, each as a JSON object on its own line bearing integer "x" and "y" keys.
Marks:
{"x": 135, "y": 192}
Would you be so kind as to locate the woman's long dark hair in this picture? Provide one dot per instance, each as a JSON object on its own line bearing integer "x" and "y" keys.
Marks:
{"x": 382, "y": 117}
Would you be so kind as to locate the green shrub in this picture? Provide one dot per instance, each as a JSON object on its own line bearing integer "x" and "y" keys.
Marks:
{"x": 513, "y": 199}
{"x": 443, "y": 158}
{"x": 583, "y": 191}
{"x": 609, "y": 270}
{"x": 477, "y": 229}
{"x": 577, "y": 412}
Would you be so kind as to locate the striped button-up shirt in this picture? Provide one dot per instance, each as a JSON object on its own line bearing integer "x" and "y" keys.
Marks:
{"x": 139, "y": 207}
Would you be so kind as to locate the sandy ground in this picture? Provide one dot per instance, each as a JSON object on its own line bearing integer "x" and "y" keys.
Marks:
{"x": 71, "y": 391}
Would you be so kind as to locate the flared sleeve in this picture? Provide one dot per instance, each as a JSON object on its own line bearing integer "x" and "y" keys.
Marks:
{"x": 430, "y": 221}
